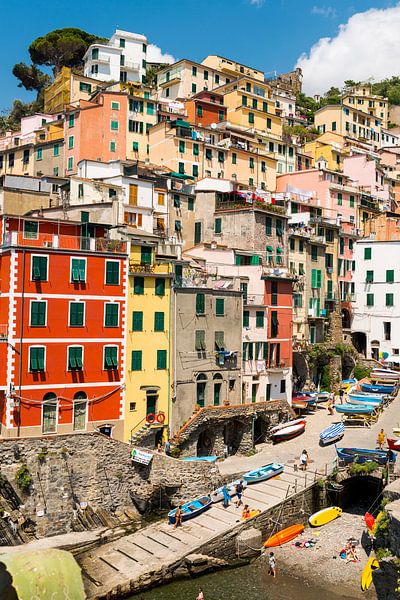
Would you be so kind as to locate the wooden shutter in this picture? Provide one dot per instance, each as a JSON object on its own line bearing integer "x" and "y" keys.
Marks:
{"x": 161, "y": 359}
{"x": 136, "y": 362}
{"x": 133, "y": 195}
{"x": 160, "y": 287}
{"x": 200, "y": 304}
{"x": 137, "y": 321}
{"x": 200, "y": 340}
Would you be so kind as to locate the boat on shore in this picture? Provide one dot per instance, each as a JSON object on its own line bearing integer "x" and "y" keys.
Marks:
{"x": 331, "y": 434}
{"x": 191, "y": 509}
{"x": 282, "y": 537}
{"x": 393, "y": 444}
{"x": 300, "y": 404}
{"x": 288, "y": 424}
{"x": 263, "y": 473}
{"x": 366, "y": 575}
{"x": 355, "y": 409}
{"x": 370, "y": 401}
{"x": 385, "y": 374}
{"x": 324, "y": 516}
{"x": 210, "y": 459}
{"x": 287, "y": 433}
{"x": 218, "y": 495}
{"x": 322, "y": 397}
{"x": 377, "y": 388}
{"x": 362, "y": 455}
{"x": 345, "y": 383}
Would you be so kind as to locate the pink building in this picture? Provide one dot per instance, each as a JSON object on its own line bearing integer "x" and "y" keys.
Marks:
{"x": 369, "y": 176}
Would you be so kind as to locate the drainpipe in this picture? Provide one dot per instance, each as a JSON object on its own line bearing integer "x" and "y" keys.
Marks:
{"x": 20, "y": 342}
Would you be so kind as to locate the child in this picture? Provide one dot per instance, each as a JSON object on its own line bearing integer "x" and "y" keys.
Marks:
{"x": 381, "y": 439}
{"x": 304, "y": 460}
{"x": 272, "y": 563}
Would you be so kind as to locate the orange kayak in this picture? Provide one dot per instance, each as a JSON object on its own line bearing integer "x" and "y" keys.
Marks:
{"x": 286, "y": 535}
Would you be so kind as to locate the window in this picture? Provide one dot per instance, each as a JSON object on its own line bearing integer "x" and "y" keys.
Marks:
{"x": 200, "y": 340}
{"x": 31, "y": 230}
{"x": 219, "y": 307}
{"x": 221, "y": 115}
{"x": 197, "y": 233}
{"x": 206, "y": 75}
{"x": 150, "y": 108}
{"x": 194, "y": 71}
{"x": 113, "y": 147}
{"x": 110, "y": 357}
{"x": 121, "y": 43}
{"x": 135, "y": 146}
{"x": 314, "y": 253}
{"x": 268, "y": 225}
{"x": 219, "y": 340}
{"x": 38, "y": 313}
{"x": 138, "y": 285}
{"x": 221, "y": 156}
{"x": 367, "y": 253}
{"x": 333, "y": 125}
{"x": 191, "y": 204}
{"x": 75, "y": 362}
{"x": 194, "y": 88}
{"x": 199, "y": 110}
{"x": 387, "y": 330}
{"x": 195, "y": 150}
{"x": 181, "y": 168}
{"x": 146, "y": 254}
{"x": 390, "y": 276}
{"x": 94, "y": 69}
{"x": 114, "y": 125}
{"x": 137, "y": 320}
{"x": 39, "y": 268}
{"x": 341, "y": 245}
{"x": 78, "y": 270}
{"x": 71, "y": 120}
{"x": 263, "y": 166}
{"x": 208, "y": 154}
{"x": 251, "y": 162}
{"x": 339, "y": 199}
{"x": 246, "y": 318}
{"x": 274, "y": 324}
{"x": 251, "y": 118}
{"x": 181, "y": 146}
{"x": 160, "y": 287}
{"x": 112, "y": 272}
{"x": 370, "y": 300}
{"x": 25, "y": 159}
{"x": 369, "y": 277}
{"x": 200, "y": 304}
{"x": 316, "y": 279}
{"x": 36, "y": 358}
{"x": 329, "y": 261}
{"x": 161, "y": 359}
{"x": 260, "y": 319}
{"x": 351, "y": 201}
{"x": 283, "y": 386}
{"x": 389, "y": 299}
{"x": 39, "y": 154}
{"x": 111, "y": 314}
{"x": 158, "y": 321}
{"x": 85, "y": 87}
{"x": 274, "y": 293}
{"x": 279, "y": 228}
{"x": 218, "y": 225}
{"x": 216, "y": 77}
{"x": 195, "y": 170}
{"x": 70, "y": 163}
{"x": 11, "y": 158}
{"x": 76, "y": 314}
{"x": 80, "y": 410}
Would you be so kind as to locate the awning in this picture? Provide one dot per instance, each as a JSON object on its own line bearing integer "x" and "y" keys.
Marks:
{"x": 181, "y": 175}
{"x": 180, "y": 123}
{"x": 279, "y": 250}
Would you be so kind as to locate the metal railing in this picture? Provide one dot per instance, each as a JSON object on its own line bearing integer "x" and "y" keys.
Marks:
{"x": 63, "y": 242}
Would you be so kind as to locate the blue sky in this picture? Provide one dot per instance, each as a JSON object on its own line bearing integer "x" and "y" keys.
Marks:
{"x": 269, "y": 34}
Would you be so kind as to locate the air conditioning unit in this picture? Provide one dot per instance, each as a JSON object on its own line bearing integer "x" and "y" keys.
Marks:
{"x": 48, "y": 244}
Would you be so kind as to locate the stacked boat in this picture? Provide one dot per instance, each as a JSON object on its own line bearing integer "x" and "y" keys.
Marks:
{"x": 362, "y": 455}
{"x": 288, "y": 430}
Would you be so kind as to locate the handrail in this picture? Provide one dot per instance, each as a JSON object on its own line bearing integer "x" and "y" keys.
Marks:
{"x": 137, "y": 425}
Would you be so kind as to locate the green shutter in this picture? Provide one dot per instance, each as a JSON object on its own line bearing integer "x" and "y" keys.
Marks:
{"x": 76, "y": 314}
{"x": 369, "y": 277}
{"x": 390, "y": 276}
{"x": 220, "y": 307}
{"x": 137, "y": 321}
{"x": 78, "y": 269}
{"x": 75, "y": 358}
{"x": 218, "y": 225}
{"x": 314, "y": 278}
{"x": 265, "y": 350}
{"x": 110, "y": 357}
{"x": 112, "y": 272}
{"x": 146, "y": 253}
{"x": 36, "y": 359}
{"x": 38, "y": 313}
{"x": 246, "y": 318}
{"x": 219, "y": 338}
{"x": 200, "y": 304}
{"x": 389, "y": 300}
{"x": 319, "y": 279}
{"x": 255, "y": 260}
{"x": 138, "y": 285}
{"x": 200, "y": 340}
{"x": 39, "y": 268}
{"x": 259, "y": 318}
{"x": 136, "y": 360}
{"x": 158, "y": 321}
{"x": 318, "y": 311}
{"x": 244, "y": 351}
{"x": 112, "y": 311}
{"x": 251, "y": 351}
{"x": 370, "y": 299}
{"x": 367, "y": 253}
{"x": 160, "y": 287}
{"x": 197, "y": 233}
{"x": 161, "y": 359}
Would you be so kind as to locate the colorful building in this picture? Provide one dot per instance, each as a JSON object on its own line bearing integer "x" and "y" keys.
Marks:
{"x": 68, "y": 88}
{"x": 62, "y": 306}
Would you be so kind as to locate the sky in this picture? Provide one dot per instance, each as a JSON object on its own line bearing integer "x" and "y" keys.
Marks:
{"x": 331, "y": 40}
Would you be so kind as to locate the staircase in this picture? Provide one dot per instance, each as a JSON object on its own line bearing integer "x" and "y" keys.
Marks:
{"x": 138, "y": 438}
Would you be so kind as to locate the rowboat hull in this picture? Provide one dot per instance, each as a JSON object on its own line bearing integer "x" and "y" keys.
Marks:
{"x": 287, "y": 424}
{"x": 263, "y": 473}
{"x": 324, "y": 516}
{"x": 362, "y": 455}
{"x": 366, "y": 576}
{"x": 393, "y": 444}
{"x": 377, "y": 388}
{"x": 217, "y": 495}
{"x": 299, "y": 405}
{"x": 354, "y": 409}
{"x": 210, "y": 459}
{"x": 331, "y": 434}
{"x": 365, "y": 401}
{"x": 364, "y": 397}
{"x": 191, "y": 509}
{"x": 284, "y": 536}
{"x": 288, "y": 433}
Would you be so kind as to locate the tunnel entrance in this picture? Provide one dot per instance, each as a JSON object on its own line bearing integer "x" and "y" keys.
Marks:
{"x": 356, "y": 494}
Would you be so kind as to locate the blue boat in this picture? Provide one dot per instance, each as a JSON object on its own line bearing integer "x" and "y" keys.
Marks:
{"x": 362, "y": 455}
{"x": 377, "y": 388}
{"x": 354, "y": 409}
{"x": 263, "y": 473}
{"x": 210, "y": 459}
{"x": 333, "y": 433}
{"x": 191, "y": 509}
{"x": 347, "y": 382}
{"x": 369, "y": 400}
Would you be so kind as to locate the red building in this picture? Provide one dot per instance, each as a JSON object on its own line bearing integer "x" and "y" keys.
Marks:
{"x": 205, "y": 108}
{"x": 62, "y": 321}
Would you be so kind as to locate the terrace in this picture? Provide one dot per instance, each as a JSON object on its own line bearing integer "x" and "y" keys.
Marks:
{"x": 63, "y": 242}
{"x": 247, "y": 201}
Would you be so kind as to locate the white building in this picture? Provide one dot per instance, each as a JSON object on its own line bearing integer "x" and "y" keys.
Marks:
{"x": 376, "y": 308}
{"x": 389, "y": 138}
{"x": 122, "y": 59}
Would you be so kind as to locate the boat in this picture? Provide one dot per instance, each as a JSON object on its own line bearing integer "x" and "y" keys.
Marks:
{"x": 210, "y": 459}
{"x": 393, "y": 444}
{"x": 325, "y": 516}
{"x": 369, "y": 520}
{"x": 369, "y": 400}
{"x": 300, "y": 405}
{"x": 287, "y": 433}
{"x": 253, "y": 513}
{"x": 288, "y": 424}
{"x": 323, "y": 396}
{"x": 263, "y": 473}
{"x": 355, "y": 409}
{"x": 366, "y": 575}
{"x": 217, "y": 495}
{"x": 346, "y": 382}
{"x": 362, "y": 455}
{"x": 191, "y": 509}
{"x": 385, "y": 374}
{"x": 378, "y": 388}
{"x": 333, "y": 433}
{"x": 284, "y": 536}
{"x": 396, "y": 431}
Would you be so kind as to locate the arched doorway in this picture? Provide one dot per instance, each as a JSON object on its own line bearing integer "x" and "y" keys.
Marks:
{"x": 80, "y": 411}
{"x": 201, "y": 384}
{"x": 49, "y": 413}
{"x": 359, "y": 340}
{"x": 105, "y": 430}
{"x": 205, "y": 443}
{"x": 346, "y": 318}
{"x": 217, "y": 379}
{"x": 300, "y": 371}
{"x": 233, "y": 434}
{"x": 260, "y": 430}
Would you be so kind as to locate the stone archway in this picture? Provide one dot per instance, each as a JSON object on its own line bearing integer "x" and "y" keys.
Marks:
{"x": 261, "y": 426}
{"x": 359, "y": 339}
{"x": 301, "y": 372}
{"x": 233, "y": 434}
{"x": 205, "y": 443}
{"x": 346, "y": 318}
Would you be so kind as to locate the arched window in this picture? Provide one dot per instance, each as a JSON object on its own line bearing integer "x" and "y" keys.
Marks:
{"x": 201, "y": 389}
{"x": 80, "y": 411}
{"x": 49, "y": 413}
{"x": 217, "y": 388}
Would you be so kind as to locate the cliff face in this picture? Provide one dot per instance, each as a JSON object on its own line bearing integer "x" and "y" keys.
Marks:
{"x": 386, "y": 579}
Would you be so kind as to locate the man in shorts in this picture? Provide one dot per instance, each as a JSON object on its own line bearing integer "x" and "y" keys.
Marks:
{"x": 239, "y": 493}
{"x": 271, "y": 563}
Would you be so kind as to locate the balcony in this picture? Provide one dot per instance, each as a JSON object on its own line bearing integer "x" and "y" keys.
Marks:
{"x": 281, "y": 366}
{"x": 235, "y": 201}
{"x": 140, "y": 268}
{"x": 369, "y": 203}
{"x": 63, "y": 242}
{"x": 254, "y": 300}
{"x": 102, "y": 60}
{"x": 129, "y": 65}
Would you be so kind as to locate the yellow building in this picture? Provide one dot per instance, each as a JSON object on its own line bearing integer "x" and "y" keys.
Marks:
{"x": 142, "y": 115}
{"x": 67, "y": 88}
{"x": 349, "y": 121}
{"x": 231, "y": 67}
{"x": 361, "y": 97}
{"x": 148, "y": 348}
{"x": 329, "y": 146}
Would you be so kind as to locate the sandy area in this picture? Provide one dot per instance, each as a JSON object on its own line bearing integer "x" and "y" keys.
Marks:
{"x": 321, "y": 563}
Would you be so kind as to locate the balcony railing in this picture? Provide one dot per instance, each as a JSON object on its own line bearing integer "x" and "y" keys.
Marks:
{"x": 254, "y": 300}
{"x": 135, "y": 267}
{"x": 63, "y": 242}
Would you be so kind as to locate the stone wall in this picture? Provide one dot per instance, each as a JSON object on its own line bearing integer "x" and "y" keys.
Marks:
{"x": 87, "y": 480}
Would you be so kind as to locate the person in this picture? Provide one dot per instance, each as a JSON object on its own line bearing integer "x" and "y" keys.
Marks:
{"x": 341, "y": 394}
{"x": 159, "y": 447}
{"x": 178, "y": 516}
{"x": 352, "y": 554}
{"x": 381, "y": 439}
{"x": 226, "y": 496}
{"x": 246, "y": 512}
{"x": 167, "y": 447}
{"x": 304, "y": 460}
{"x": 272, "y": 564}
{"x": 200, "y": 595}
{"x": 331, "y": 404}
{"x": 239, "y": 493}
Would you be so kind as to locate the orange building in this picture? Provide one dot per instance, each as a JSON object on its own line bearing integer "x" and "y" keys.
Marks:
{"x": 279, "y": 302}
{"x": 62, "y": 324}
{"x": 205, "y": 108}
{"x": 96, "y": 130}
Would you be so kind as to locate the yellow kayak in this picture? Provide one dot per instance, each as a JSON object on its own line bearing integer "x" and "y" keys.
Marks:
{"x": 366, "y": 576}
{"x": 378, "y": 517}
{"x": 325, "y": 516}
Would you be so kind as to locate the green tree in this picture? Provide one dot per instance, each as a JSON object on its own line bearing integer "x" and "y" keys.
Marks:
{"x": 332, "y": 96}
{"x": 30, "y": 77}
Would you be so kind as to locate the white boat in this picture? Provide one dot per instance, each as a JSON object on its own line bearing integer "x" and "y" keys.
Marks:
{"x": 287, "y": 424}
{"x": 287, "y": 433}
{"x": 217, "y": 495}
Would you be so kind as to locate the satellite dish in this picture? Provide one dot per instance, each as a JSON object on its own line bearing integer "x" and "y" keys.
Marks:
{"x": 213, "y": 126}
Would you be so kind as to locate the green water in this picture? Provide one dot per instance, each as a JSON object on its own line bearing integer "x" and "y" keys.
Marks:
{"x": 245, "y": 583}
